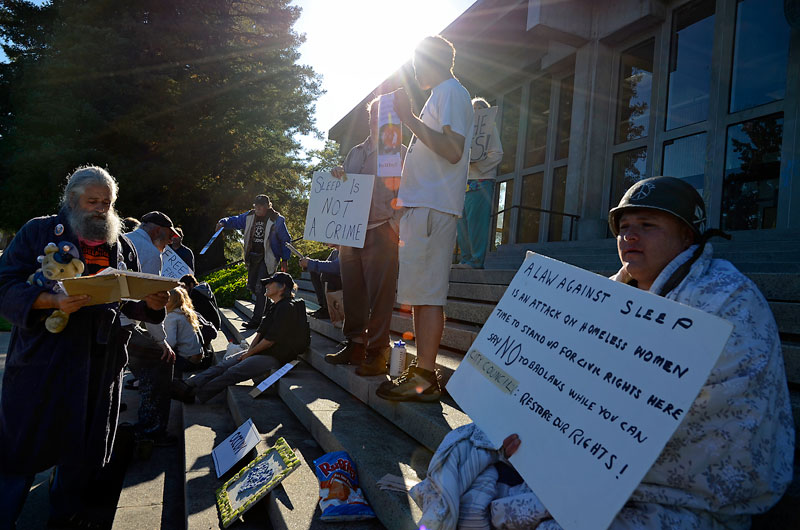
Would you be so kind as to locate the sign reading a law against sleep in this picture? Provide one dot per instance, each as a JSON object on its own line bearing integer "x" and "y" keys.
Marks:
{"x": 338, "y": 209}
{"x": 593, "y": 375}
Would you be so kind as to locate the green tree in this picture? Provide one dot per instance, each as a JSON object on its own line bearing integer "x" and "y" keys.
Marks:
{"x": 193, "y": 105}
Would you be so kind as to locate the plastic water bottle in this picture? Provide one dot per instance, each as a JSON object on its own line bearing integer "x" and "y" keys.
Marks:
{"x": 397, "y": 361}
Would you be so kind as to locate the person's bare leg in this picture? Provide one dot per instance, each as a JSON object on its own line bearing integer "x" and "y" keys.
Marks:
{"x": 428, "y": 328}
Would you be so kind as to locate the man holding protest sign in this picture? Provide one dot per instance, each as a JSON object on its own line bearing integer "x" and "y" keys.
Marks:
{"x": 432, "y": 190}
{"x": 369, "y": 274}
{"x": 485, "y": 156}
{"x": 265, "y": 250}
{"x": 731, "y": 454}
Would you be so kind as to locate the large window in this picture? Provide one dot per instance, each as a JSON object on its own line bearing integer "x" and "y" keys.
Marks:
{"x": 701, "y": 98}
{"x": 752, "y": 167}
{"x": 760, "y": 54}
{"x": 538, "y": 118}
{"x": 690, "y": 63}
{"x": 509, "y": 122}
{"x": 635, "y": 92}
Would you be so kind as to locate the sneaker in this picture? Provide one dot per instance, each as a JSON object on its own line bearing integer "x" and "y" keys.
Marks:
{"x": 321, "y": 314}
{"x": 415, "y": 384}
{"x": 352, "y": 353}
{"x": 375, "y": 362}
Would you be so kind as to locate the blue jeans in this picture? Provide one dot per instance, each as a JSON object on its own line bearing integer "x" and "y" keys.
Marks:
{"x": 473, "y": 227}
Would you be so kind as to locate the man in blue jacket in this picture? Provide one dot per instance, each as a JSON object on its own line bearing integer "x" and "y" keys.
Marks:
{"x": 265, "y": 250}
{"x": 61, "y": 391}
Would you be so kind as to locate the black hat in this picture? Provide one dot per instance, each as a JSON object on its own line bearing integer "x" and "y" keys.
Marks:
{"x": 261, "y": 199}
{"x": 668, "y": 194}
{"x": 281, "y": 277}
{"x": 160, "y": 219}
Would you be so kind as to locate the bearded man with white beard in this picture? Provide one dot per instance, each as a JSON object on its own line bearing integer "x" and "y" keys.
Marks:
{"x": 61, "y": 392}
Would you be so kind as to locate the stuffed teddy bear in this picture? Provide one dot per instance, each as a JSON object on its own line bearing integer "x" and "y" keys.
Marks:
{"x": 58, "y": 262}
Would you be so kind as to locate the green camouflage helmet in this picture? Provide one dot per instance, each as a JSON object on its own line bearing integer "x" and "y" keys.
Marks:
{"x": 668, "y": 194}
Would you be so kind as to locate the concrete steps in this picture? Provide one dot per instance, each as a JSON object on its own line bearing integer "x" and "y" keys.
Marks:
{"x": 340, "y": 422}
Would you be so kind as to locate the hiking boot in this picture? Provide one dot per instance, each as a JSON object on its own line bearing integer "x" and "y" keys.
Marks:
{"x": 352, "y": 353}
{"x": 375, "y": 362}
{"x": 415, "y": 384}
{"x": 321, "y": 314}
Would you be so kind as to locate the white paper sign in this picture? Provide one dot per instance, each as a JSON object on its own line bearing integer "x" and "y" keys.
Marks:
{"x": 390, "y": 138}
{"x": 235, "y": 446}
{"x": 172, "y": 266}
{"x": 482, "y": 132}
{"x": 269, "y": 381}
{"x": 338, "y": 210}
{"x": 213, "y": 238}
{"x": 593, "y": 375}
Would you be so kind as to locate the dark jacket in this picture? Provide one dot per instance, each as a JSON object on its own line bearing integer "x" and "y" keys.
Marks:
{"x": 205, "y": 303}
{"x": 285, "y": 323}
{"x": 60, "y": 397}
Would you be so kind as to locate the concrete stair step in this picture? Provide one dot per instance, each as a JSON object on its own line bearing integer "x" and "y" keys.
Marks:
{"x": 427, "y": 423}
{"x": 446, "y": 361}
{"x": 294, "y": 503}
{"x": 339, "y": 422}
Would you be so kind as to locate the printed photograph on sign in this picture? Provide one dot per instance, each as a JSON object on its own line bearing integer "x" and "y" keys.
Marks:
{"x": 338, "y": 209}
{"x": 390, "y": 138}
{"x": 593, "y": 375}
{"x": 252, "y": 483}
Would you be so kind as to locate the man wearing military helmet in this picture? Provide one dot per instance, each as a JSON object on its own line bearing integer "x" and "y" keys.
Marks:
{"x": 731, "y": 456}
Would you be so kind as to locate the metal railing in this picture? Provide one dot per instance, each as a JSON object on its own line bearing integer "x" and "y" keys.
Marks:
{"x": 572, "y": 217}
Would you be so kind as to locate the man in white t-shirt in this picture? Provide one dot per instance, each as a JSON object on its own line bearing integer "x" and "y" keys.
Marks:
{"x": 432, "y": 189}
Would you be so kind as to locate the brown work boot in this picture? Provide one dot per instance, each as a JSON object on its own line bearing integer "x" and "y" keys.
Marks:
{"x": 415, "y": 384}
{"x": 375, "y": 361}
{"x": 353, "y": 353}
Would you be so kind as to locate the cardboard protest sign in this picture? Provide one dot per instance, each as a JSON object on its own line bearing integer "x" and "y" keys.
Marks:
{"x": 172, "y": 266}
{"x": 235, "y": 446}
{"x": 483, "y": 129}
{"x": 252, "y": 483}
{"x": 114, "y": 285}
{"x": 593, "y": 375}
{"x": 269, "y": 381}
{"x": 390, "y": 138}
{"x": 338, "y": 210}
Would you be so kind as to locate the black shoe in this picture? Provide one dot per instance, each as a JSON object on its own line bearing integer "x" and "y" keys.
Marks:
{"x": 133, "y": 384}
{"x": 352, "y": 353}
{"x": 321, "y": 314}
{"x": 73, "y": 521}
{"x": 251, "y": 325}
{"x": 408, "y": 386}
{"x": 182, "y": 391}
{"x": 375, "y": 362}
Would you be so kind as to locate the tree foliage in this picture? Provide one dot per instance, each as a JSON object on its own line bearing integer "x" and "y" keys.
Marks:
{"x": 193, "y": 105}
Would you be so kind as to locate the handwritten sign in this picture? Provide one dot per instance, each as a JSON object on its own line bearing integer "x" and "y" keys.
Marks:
{"x": 390, "y": 138}
{"x": 172, "y": 266}
{"x": 338, "y": 211}
{"x": 593, "y": 375}
{"x": 482, "y": 133}
{"x": 269, "y": 381}
{"x": 235, "y": 446}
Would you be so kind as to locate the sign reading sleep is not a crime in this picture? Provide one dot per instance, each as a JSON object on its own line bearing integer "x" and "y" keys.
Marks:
{"x": 594, "y": 376}
{"x": 338, "y": 210}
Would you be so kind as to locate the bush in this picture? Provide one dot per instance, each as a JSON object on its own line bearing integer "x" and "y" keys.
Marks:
{"x": 5, "y": 325}
{"x": 229, "y": 284}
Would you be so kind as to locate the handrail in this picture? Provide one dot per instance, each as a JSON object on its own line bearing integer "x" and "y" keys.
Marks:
{"x": 572, "y": 216}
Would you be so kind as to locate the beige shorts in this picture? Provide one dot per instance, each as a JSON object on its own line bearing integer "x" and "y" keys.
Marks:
{"x": 425, "y": 253}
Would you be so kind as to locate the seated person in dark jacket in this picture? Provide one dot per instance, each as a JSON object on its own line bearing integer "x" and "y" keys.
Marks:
{"x": 320, "y": 272}
{"x": 282, "y": 335}
{"x": 203, "y": 299}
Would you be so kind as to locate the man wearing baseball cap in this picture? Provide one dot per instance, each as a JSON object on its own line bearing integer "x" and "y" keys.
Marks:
{"x": 731, "y": 456}
{"x": 150, "y": 356}
{"x": 282, "y": 335}
{"x": 265, "y": 251}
